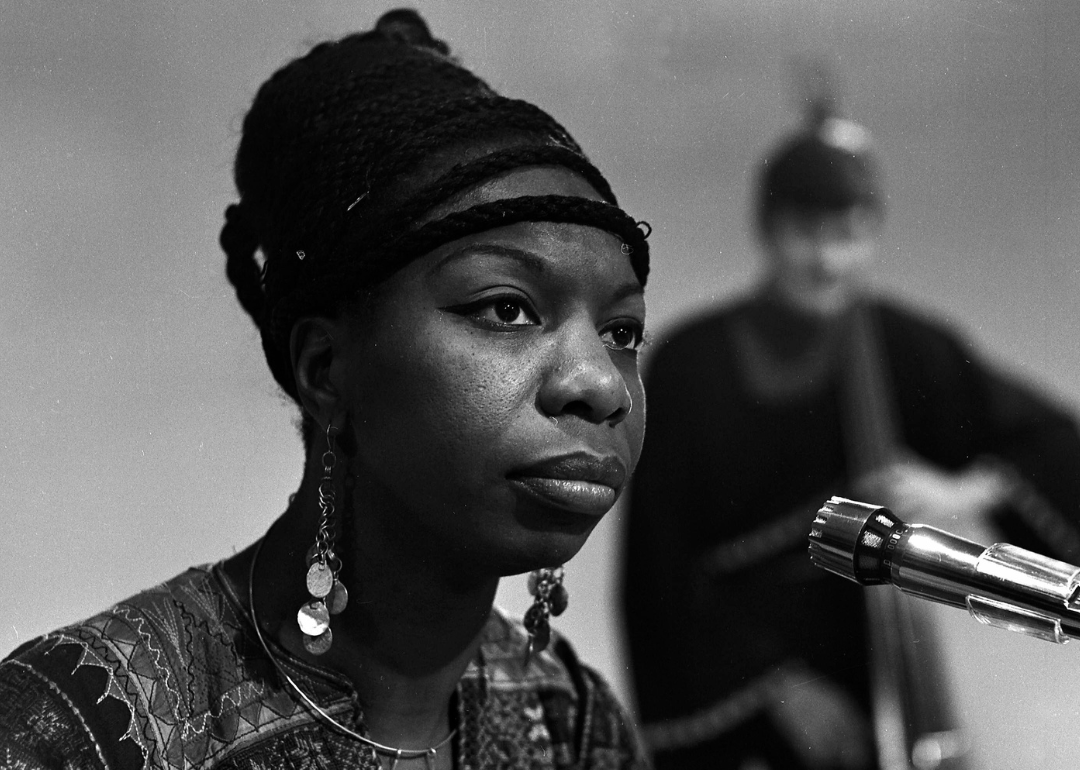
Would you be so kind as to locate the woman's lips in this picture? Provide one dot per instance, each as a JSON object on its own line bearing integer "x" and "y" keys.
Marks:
{"x": 586, "y": 497}
{"x": 581, "y": 483}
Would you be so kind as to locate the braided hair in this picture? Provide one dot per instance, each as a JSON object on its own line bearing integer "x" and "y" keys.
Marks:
{"x": 344, "y": 151}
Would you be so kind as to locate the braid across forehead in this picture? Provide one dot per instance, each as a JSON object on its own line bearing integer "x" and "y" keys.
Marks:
{"x": 335, "y": 171}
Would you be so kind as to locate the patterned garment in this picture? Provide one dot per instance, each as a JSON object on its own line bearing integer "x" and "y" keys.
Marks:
{"x": 175, "y": 678}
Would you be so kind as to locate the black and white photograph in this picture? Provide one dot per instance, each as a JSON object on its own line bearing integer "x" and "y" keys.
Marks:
{"x": 457, "y": 385}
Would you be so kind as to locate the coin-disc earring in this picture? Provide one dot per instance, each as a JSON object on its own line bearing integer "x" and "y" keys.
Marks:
{"x": 549, "y": 598}
{"x": 328, "y": 594}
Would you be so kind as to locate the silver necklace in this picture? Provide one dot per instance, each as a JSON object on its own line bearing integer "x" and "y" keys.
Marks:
{"x": 395, "y": 754}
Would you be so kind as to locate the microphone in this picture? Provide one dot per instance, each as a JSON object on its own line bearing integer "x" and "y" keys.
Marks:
{"x": 1000, "y": 585}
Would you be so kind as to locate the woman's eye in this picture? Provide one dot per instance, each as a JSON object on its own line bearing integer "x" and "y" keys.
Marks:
{"x": 505, "y": 312}
{"x": 624, "y": 336}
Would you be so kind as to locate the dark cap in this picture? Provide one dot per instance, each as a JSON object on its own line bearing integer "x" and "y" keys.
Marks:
{"x": 829, "y": 167}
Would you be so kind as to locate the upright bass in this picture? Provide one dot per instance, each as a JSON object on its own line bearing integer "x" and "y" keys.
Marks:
{"x": 914, "y": 721}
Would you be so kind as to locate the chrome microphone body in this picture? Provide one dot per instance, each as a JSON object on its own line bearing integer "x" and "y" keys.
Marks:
{"x": 1000, "y": 585}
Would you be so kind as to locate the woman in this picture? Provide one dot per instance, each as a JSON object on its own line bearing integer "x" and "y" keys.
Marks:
{"x": 449, "y": 292}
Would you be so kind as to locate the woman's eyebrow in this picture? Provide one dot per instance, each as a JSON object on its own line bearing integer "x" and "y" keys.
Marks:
{"x": 530, "y": 261}
{"x": 629, "y": 289}
{"x": 534, "y": 263}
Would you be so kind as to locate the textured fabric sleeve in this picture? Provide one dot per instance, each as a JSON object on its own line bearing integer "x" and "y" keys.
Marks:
{"x": 601, "y": 733}
{"x": 39, "y": 726}
{"x": 613, "y": 740}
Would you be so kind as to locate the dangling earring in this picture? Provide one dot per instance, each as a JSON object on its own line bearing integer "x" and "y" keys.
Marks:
{"x": 549, "y": 598}
{"x": 328, "y": 594}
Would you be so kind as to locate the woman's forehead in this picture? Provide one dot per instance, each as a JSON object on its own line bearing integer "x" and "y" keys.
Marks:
{"x": 578, "y": 253}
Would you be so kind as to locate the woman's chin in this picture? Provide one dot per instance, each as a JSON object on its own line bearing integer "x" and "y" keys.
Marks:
{"x": 544, "y": 550}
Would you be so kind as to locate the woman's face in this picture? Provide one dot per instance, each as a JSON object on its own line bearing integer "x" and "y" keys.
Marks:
{"x": 494, "y": 389}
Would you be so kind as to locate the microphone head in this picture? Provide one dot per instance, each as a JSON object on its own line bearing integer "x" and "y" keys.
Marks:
{"x": 852, "y": 539}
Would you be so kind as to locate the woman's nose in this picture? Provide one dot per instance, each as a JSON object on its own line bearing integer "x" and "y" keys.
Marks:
{"x": 583, "y": 380}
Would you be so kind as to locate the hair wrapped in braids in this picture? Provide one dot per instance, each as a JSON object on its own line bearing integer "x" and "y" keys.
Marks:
{"x": 344, "y": 151}
{"x": 828, "y": 165}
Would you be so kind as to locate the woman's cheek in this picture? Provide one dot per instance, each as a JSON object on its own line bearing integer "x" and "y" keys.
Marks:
{"x": 473, "y": 398}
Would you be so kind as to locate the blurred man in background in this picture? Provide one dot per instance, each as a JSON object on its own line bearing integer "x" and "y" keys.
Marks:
{"x": 745, "y": 655}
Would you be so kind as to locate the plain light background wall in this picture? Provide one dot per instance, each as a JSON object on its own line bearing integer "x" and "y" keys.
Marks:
{"x": 140, "y": 431}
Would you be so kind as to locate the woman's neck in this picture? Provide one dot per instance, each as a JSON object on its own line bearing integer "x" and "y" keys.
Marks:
{"x": 405, "y": 638}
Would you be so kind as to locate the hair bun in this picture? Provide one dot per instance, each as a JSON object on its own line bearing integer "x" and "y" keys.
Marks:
{"x": 404, "y": 25}
{"x": 240, "y": 243}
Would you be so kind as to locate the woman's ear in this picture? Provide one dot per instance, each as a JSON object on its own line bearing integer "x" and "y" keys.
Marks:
{"x": 316, "y": 352}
